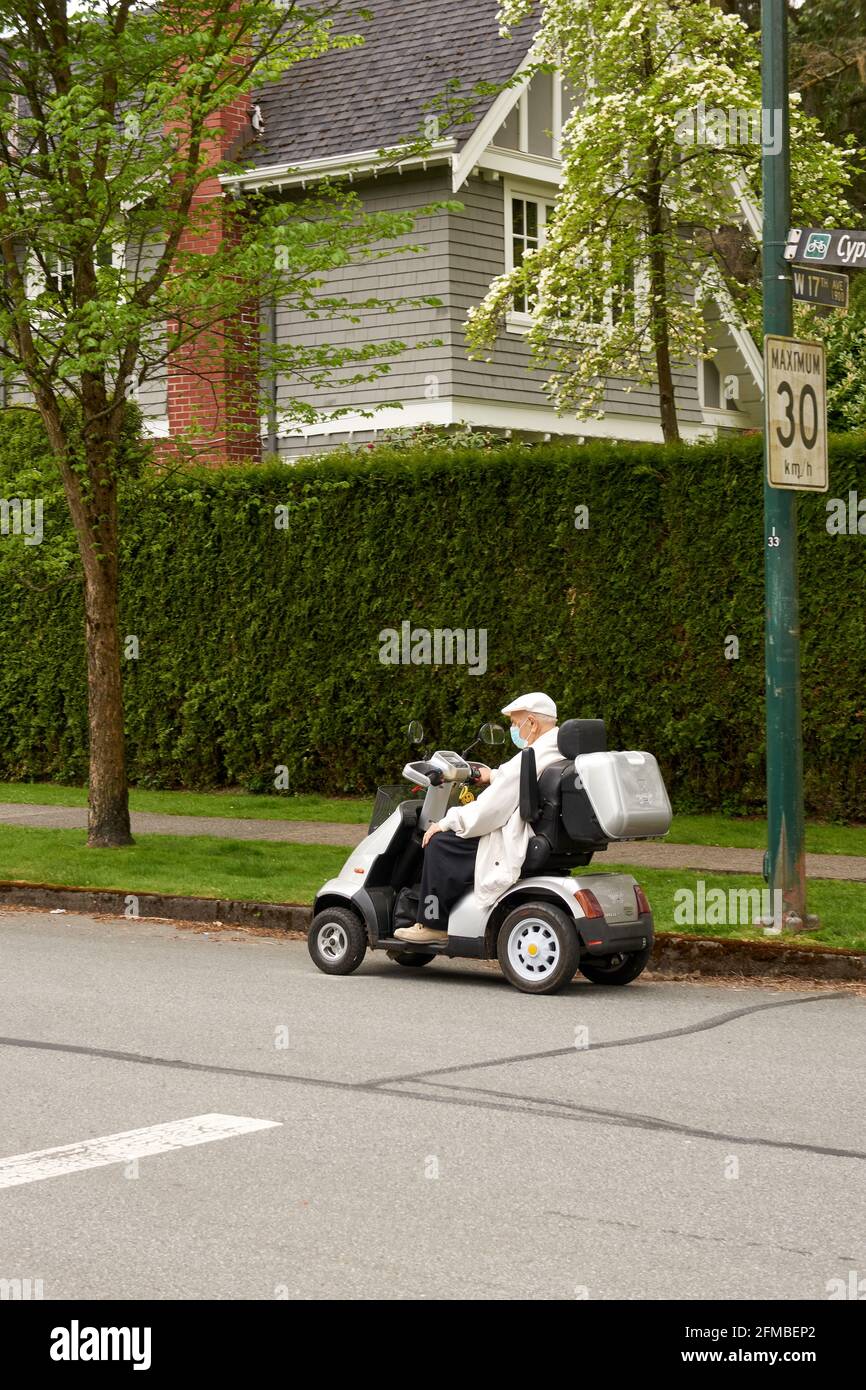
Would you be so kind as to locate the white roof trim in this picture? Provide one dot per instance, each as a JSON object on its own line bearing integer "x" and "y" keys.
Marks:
{"x": 749, "y": 350}
{"x": 360, "y": 162}
{"x": 465, "y": 161}
{"x": 751, "y": 212}
{"x": 519, "y": 165}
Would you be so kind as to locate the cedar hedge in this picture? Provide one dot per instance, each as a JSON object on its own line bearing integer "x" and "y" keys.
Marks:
{"x": 259, "y": 644}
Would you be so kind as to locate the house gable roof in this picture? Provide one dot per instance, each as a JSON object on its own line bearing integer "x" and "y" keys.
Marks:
{"x": 374, "y": 96}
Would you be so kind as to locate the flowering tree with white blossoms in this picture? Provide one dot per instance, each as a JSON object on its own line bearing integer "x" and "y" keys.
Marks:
{"x": 662, "y": 144}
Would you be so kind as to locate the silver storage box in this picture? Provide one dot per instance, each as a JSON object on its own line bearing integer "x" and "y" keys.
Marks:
{"x": 626, "y": 792}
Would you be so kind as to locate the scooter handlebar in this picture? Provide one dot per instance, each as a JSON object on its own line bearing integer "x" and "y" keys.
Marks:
{"x": 442, "y": 767}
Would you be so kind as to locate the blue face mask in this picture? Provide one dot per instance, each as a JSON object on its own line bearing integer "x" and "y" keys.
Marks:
{"x": 515, "y": 735}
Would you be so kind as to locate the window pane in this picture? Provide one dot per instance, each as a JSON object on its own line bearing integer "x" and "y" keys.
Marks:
{"x": 531, "y": 219}
{"x": 507, "y": 136}
{"x": 712, "y": 385}
{"x": 569, "y": 100}
{"x": 622, "y": 297}
{"x": 541, "y": 114}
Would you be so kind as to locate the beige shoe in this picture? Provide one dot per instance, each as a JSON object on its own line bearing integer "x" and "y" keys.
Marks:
{"x": 421, "y": 933}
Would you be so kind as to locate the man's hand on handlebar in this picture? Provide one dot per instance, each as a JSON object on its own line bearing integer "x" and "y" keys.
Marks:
{"x": 479, "y": 774}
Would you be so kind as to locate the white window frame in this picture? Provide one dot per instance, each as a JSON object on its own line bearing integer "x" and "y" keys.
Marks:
{"x": 518, "y": 320}
{"x": 722, "y": 414}
{"x": 60, "y": 270}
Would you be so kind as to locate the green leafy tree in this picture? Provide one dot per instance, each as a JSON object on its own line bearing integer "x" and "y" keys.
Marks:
{"x": 654, "y": 170}
{"x": 845, "y": 341}
{"x": 110, "y": 121}
{"x": 828, "y": 68}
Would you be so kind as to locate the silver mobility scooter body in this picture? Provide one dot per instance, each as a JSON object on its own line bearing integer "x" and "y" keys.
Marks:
{"x": 550, "y": 923}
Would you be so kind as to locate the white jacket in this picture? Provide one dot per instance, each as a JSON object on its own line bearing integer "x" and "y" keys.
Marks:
{"x": 495, "y": 818}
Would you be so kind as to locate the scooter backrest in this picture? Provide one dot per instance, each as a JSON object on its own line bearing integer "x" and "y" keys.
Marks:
{"x": 578, "y": 736}
{"x": 529, "y": 802}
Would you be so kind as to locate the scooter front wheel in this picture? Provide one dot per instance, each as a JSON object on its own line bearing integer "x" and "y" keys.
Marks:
{"x": 337, "y": 940}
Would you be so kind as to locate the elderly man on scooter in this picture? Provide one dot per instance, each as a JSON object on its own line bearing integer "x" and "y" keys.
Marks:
{"x": 483, "y": 845}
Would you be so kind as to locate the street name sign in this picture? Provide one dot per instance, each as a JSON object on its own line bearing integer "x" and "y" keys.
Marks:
{"x": 813, "y": 286}
{"x": 795, "y": 402}
{"x": 845, "y": 250}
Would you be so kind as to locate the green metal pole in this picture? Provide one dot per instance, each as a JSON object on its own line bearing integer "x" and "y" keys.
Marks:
{"x": 786, "y": 866}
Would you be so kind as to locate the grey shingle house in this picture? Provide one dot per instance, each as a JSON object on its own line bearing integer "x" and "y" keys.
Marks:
{"x": 332, "y": 116}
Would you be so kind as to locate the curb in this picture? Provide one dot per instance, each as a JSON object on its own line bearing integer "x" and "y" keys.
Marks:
{"x": 673, "y": 954}
{"x": 112, "y": 901}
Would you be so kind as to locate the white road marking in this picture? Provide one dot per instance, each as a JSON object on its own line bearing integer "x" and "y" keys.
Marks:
{"x": 120, "y": 1148}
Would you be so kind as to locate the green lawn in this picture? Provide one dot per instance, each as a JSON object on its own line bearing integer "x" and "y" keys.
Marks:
{"x": 738, "y": 833}
{"x": 206, "y": 866}
{"x": 840, "y": 905}
{"x": 243, "y": 805}
{"x": 194, "y": 865}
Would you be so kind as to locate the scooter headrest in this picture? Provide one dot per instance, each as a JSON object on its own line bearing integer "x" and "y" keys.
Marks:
{"x": 578, "y": 736}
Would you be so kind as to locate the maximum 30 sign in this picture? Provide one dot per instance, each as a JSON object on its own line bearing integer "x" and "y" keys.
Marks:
{"x": 796, "y": 414}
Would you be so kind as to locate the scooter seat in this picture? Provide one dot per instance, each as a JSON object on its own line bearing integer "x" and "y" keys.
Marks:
{"x": 567, "y": 832}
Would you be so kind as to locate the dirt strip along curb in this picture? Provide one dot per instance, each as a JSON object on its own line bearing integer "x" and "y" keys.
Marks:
{"x": 673, "y": 954}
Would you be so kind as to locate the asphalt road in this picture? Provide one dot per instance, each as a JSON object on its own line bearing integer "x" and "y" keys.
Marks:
{"x": 430, "y": 1134}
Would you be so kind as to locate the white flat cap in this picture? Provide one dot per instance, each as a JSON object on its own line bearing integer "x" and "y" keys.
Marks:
{"x": 535, "y": 703}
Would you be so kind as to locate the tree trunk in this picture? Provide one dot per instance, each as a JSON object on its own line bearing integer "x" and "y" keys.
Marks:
{"x": 658, "y": 288}
{"x": 108, "y": 794}
{"x": 108, "y": 797}
{"x": 91, "y": 495}
{"x": 667, "y": 403}
{"x": 658, "y": 277}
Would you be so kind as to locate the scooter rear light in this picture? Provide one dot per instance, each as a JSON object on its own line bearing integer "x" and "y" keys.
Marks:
{"x": 589, "y": 902}
{"x": 643, "y": 906}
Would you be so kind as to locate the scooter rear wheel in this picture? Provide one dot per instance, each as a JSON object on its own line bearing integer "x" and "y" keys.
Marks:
{"x": 337, "y": 940}
{"x": 617, "y": 970}
{"x": 538, "y": 948}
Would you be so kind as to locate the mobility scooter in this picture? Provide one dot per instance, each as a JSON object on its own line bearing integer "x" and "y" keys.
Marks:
{"x": 550, "y": 923}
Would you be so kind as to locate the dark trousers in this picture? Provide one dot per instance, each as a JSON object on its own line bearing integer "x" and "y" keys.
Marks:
{"x": 447, "y": 873}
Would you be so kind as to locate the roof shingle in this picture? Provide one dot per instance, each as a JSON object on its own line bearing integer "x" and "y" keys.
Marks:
{"x": 373, "y": 96}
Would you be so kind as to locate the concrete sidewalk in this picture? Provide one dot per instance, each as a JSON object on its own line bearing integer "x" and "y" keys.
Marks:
{"x": 648, "y": 854}
{"x": 299, "y": 832}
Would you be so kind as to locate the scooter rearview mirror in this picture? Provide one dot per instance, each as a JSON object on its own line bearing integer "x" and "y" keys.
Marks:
{"x": 416, "y": 731}
{"x": 492, "y": 734}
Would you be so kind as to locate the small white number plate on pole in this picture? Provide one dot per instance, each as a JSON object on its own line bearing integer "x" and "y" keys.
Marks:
{"x": 795, "y": 398}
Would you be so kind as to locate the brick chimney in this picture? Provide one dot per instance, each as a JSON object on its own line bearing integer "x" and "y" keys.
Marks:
{"x": 212, "y": 399}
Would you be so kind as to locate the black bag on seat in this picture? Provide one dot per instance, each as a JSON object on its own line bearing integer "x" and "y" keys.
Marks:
{"x": 406, "y": 907}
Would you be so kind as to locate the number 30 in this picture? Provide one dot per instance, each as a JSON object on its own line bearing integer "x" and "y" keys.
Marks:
{"x": 786, "y": 438}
